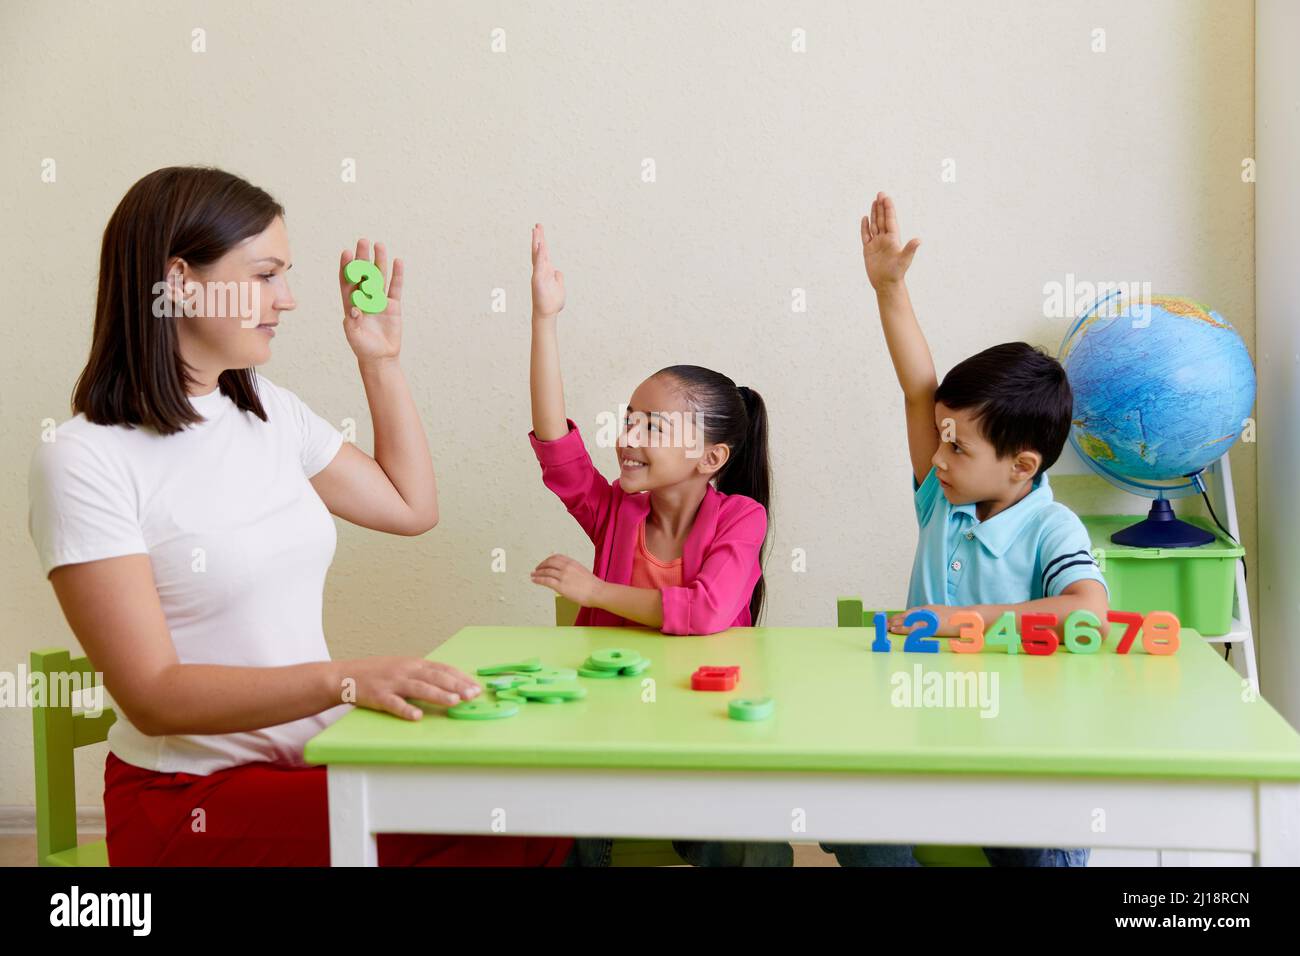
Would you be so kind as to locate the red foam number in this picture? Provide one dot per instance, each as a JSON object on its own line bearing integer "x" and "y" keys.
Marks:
{"x": 1132, "y": 622}
{"x": 1036, "y": 634}
{"x": 715, "y": 678}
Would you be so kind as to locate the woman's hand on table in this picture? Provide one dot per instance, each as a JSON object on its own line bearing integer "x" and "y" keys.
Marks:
{"x": 389, "y": 684}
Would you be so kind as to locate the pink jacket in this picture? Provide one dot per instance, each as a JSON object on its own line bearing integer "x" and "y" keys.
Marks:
{"x": 719, "y": 560}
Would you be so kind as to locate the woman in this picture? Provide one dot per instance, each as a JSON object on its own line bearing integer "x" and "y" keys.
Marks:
{"x": 183, "y": 518}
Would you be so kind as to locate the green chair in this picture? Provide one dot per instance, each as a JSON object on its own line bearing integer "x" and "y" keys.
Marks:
{"x": 849, "y": 613}
{"x": 56, "y": 733}
{"x": 625, "y": 852}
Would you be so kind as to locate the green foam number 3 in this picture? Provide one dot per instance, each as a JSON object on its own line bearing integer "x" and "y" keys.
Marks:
{"x": 368, "y": 296}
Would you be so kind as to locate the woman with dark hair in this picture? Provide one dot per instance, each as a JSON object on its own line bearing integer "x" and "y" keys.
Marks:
{"x": 183, "y": 517}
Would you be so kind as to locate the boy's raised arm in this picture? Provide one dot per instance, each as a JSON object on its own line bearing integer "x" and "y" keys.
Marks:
{"x": 887, "y": 261}
{"x": 547, "y": 389}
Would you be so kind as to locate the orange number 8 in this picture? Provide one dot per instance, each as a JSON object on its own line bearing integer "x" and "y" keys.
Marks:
{"x": 1160, "y": 633}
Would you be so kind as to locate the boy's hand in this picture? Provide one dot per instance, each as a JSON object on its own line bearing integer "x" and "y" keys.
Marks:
{"x": 548, "y": 282}
{"x": 887, "y": 261}
{"x": 942, "y": 611}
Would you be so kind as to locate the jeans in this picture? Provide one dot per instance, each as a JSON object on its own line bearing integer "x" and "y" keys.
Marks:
{"x": 714, "y": 853}
{"x": 590, "y": 851}
{"x": 870, "y": 854}
{"x": 597, "y": 852}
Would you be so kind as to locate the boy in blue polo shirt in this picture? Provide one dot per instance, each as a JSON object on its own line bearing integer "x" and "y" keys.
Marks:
{"x": 991, "y": 537}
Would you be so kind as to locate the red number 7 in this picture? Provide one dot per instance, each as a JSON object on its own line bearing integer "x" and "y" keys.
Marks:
{"x": 1133, "y": 620}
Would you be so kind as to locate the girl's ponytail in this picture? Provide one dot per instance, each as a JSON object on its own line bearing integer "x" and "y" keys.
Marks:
{"x": 736, "y": 417}
{"x": 749, "y": 473}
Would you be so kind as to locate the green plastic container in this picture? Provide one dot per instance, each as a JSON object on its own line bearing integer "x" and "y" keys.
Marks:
{"x": 1196, "y": 584}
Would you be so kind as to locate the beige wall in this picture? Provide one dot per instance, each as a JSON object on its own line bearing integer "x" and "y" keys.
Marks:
{"x": 1121, "y": 165}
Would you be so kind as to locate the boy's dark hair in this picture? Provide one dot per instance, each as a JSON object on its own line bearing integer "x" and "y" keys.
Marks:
{"x": 1020, "y": 396}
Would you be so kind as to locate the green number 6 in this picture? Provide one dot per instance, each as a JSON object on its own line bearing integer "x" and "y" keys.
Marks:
{"x": 1083, "y": 632}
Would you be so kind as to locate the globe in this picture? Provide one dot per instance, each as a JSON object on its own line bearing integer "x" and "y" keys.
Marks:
{"x": 1162, "y": 388}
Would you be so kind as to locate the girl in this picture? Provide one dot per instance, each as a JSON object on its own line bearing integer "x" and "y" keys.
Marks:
{"x": 679, "y": 535}
{"x": 183, "y": 518}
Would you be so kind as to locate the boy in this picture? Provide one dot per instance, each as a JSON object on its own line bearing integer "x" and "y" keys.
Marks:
{"x": 991, "y": 537}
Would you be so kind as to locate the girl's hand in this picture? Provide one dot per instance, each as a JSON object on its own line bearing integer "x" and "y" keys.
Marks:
{"x": 548, "y": 282}
{"x": 567, "y": 578}
{"x": 374, "y": 336}
{"x": 887, "y": 262}
{"x": 944, "y": 613}
{"x": 389, "y": 683}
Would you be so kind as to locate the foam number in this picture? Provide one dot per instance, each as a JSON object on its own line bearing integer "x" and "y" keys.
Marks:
{"x": 970, "y": 632}
{"x": 1132, "y": 622}
{"x": 368, "y": 296}
{"x": 1160, "y": 633}
{"x": 881, "y": 644}
{"x": 1036, "y": 634}
{"x": 1082, "y": 632}
{"x": 1003, "y": 632}
{"x": 917, "y": 642}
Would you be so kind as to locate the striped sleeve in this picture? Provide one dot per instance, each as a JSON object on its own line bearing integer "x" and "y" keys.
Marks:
{"x": 1065, "y": 555}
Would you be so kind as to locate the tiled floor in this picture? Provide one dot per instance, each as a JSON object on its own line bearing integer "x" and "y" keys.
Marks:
{"x": 21, "y": 851}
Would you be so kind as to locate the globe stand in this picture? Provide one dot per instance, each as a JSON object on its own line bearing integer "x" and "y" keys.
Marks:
{"x": 1160, "y": 529}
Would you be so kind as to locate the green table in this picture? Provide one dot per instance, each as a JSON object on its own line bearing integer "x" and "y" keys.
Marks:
{"x": 1170, "y": 755}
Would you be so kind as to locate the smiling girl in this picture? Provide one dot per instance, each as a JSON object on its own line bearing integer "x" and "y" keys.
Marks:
{"x": 679, "y": 534}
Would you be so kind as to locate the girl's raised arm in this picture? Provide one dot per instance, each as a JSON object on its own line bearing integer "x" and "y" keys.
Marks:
{"x": 549, "y": 420}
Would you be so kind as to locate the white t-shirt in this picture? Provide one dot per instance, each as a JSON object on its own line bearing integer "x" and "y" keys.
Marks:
{"x": 238, "y": 538}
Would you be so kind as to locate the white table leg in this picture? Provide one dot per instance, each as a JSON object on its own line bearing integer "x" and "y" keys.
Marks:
{"x": 1203, "y": 858}
{"x": 352, "y": 839}
{"x": 1279, "y": 824}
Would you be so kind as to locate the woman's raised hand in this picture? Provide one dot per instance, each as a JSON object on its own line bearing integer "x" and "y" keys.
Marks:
{"x": 372, "y": 335}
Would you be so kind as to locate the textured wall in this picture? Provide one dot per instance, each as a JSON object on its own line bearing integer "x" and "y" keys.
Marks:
{"x": 1277, "y": 285}
{"x": 1122, "y": 165}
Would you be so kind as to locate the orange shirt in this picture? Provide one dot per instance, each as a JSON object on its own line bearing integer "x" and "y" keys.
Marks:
{"x": 648, "y": 571}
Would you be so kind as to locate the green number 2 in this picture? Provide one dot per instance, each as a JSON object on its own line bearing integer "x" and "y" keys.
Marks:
{"x": 368, "y": 296}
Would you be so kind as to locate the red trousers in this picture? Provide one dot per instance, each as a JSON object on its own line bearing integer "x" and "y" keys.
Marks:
{"x": 262, "y": 815}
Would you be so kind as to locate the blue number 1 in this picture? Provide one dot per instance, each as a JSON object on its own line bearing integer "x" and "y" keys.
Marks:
{"x": 881, "y": 644}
